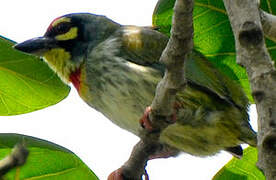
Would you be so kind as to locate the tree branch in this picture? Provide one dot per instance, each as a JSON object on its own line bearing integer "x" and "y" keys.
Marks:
{"x": 17, "y": 157}
{"x": 253, "y": 55}
{"x": 174, "y": 55}
{"x": 269, "y": 25}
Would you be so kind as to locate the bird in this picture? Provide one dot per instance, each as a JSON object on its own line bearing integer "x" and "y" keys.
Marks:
{"x": 115, "y": 69}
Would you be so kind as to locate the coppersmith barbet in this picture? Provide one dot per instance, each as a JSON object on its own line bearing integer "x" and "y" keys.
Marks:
{"x": 115, "y": 70}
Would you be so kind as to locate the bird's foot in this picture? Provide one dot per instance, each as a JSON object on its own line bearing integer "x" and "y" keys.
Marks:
{"x": 145, "y": 120}
{"x": 119, "y": 175}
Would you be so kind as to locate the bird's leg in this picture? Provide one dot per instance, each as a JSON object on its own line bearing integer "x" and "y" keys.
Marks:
{"x": 145, "y": 120}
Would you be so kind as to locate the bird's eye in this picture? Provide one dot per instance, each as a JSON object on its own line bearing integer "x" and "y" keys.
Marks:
{"x": 62, "y": 28}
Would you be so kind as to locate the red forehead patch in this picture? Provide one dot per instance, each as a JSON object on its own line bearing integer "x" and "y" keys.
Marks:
{"x": 51, "y": 25}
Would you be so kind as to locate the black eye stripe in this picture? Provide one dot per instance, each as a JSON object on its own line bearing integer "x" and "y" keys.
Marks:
{"x": 61, "y": 28}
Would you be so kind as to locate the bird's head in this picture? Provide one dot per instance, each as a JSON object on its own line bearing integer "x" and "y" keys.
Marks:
{"x": 65, "y": 44}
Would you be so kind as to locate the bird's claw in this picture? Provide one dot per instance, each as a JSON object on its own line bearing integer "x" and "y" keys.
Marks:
{"x": 145, "y": 121}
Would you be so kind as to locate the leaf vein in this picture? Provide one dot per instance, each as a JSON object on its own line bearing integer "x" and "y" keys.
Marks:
{"x": 4, "y": 103}
{"x": 11, "y": 62}
{"x": 201, "y": 14}
{"x": 269, "y": 6}
{"x": 271, "y": 48}
{"x": 221, "y": 54}
{"x": 52, "y": 174}
{"x": 33, "y": 90}
{"x": 213, "y": 27}
{"x": 15, "y": 99}
{"x": 22, "y": 76}
{"x": 211, "y": 7}
{"x": 246, "y": 172}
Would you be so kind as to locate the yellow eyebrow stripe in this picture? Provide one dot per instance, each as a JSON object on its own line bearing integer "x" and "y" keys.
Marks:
{"x": 71, "y": 34}
{"x": 60, "y": 20}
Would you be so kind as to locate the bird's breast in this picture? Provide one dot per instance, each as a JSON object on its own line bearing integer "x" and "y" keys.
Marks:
{"x": 122, "y": 91}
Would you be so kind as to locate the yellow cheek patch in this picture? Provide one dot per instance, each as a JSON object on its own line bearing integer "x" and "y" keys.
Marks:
{"x": 71, "y": 34}
{"x": 60, "y": 20}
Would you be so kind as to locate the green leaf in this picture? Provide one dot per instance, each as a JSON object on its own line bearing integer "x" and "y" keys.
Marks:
{"x": 45, "y": 161}
{"x": 26, "y": 82}
{"x": 213, "y": 35}
{"x": 238, "y": 169}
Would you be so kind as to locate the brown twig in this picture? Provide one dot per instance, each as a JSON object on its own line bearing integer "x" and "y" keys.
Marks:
{"x": 174, "y": 55}
{"x": 253, "y": 55}
{"x": 17, "y": 157}
{"x": 269, "y": 25}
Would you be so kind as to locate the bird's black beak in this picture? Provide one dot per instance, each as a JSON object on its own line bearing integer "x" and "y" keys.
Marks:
{"x": 36, "y": 46}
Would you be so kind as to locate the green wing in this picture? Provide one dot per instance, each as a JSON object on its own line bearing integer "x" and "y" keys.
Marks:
{"x": 144, "y": 46}
{"x": 201, "y": 72}
{"x": 141, "y": 45}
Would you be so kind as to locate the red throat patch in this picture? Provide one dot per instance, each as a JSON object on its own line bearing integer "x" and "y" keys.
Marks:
{"x": 75, "y": 79}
